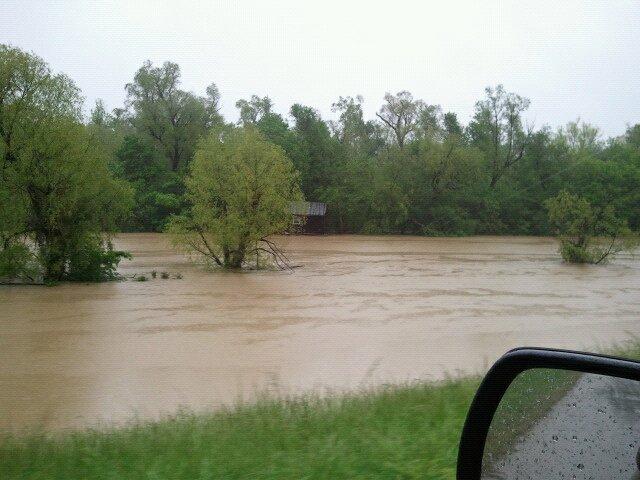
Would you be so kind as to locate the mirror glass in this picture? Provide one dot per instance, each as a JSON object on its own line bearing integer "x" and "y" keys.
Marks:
{"x": 565, "y": 425}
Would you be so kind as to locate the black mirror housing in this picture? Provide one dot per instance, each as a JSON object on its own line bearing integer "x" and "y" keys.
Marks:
{"x": 502, "y": 374}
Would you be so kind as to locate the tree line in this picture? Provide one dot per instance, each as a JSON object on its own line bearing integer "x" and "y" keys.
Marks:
{"x": 413, "y": 169}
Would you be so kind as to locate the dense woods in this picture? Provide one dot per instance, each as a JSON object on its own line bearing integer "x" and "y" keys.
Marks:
{"x": 414, "y": 168}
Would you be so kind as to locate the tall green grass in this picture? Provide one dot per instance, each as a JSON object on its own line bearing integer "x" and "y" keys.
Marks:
{"x": 397, "y": 432}
{"x": 400, "y": 432}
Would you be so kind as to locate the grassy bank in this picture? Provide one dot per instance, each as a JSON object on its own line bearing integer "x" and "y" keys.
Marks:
{"x": 397, "y": 432}
{"x": 407, "y": 431}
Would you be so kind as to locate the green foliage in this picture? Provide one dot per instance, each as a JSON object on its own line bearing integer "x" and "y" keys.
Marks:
{"x": 240, "y": 188}
{"x": 400, "y": 115}
{"x": 316, "y": 153}
{"x": 17, "y": 263}
{"x": 168, "y": 118}
{"x": 55, "y": 183}
{"x": 359, "y": 137}
{"x": 406, "y": 431}
{"x": 396, "y": 432}
{"x": 587, "y": 234}
{"x": 575, "y": 253}
{"x": 94, "y": 260}
{"x": 412, "y": 169}
{"x": 498, "y": 131}
{"x": 158, "y": 191}
{"x": 108, "y": 131}
{"x": 254, "y": 110}
{"x": 451, "y": 124}
{"x": 152, "y": 140}
{"x": 581, "y": 137}
{"x": 71, "y": 194}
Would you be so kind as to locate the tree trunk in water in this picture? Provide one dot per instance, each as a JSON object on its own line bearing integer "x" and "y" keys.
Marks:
{"x": 53, "y": 261}
{"x": 237, "y": 257}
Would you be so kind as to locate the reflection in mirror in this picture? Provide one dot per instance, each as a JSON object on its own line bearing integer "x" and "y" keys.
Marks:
{"x": 561, "y": 424}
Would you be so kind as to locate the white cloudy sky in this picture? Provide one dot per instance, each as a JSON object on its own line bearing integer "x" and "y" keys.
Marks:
{"x": 571, "y": 58}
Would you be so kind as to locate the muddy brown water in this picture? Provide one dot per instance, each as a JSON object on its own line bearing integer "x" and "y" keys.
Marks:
{"x": 361, "y": 311}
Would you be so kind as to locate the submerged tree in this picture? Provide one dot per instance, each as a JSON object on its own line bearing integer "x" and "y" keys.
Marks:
{"x": 587, "y": 234}
{"x": 58, "y": 196}
{"x": 16, "y": 258}
{"x": 240, "y": 187}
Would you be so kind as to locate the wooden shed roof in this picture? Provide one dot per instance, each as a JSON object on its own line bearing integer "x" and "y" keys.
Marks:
{"x": 309, "y": 209}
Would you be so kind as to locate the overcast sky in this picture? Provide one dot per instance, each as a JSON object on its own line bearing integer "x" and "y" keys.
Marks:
{"x": 571, "y": 58}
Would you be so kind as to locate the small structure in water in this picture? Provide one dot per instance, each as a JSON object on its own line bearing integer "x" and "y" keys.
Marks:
{"x": 308, "y": 217}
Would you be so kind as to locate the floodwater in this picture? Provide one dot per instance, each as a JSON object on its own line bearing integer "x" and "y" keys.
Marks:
{"x": 360, "y": 311}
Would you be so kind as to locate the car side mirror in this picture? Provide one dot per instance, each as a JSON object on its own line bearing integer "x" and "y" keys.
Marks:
{"x": 542, "y": 414}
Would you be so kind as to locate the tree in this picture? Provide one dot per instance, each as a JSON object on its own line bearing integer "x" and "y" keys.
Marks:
{"x": 451, "y": 124}
{"x": 435, "y": 176}
{"x": 253, "y": 110}
{"x": 430, "y": 122}
{"x": 632, "y": 136}
{"x": 108, "y": 131}
{"x": 257, "y": 112}
{"x": 276, "y": 130}
{"x": 72, "y": 199}
{"x": 359, "y": 136}
{"x": 212, "y": 106}
{"x": 171, "y": 119}
{"x": 240, "y": 188}
{"x": 400, "y": 114}
{"x": 581, "y": 137}
{"x": 159, "y": 192}
{"x": 16, "y": 259}
{"x": 58, "y": 194}
{"x": 587, "y": 234}
{"x": 316, "y": 153}
{"x": 29, "y": 91}
{"x": 498, "y": 131}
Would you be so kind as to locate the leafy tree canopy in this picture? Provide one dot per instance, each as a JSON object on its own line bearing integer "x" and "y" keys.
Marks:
{"x": 240, "y": 188}
{"x": 58, "y": 193}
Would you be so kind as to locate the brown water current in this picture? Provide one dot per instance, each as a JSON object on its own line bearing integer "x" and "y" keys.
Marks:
{"x": 361, "y": 311}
